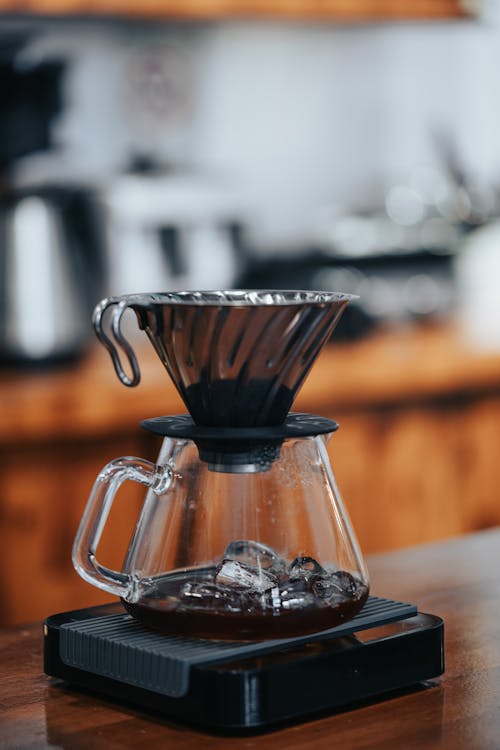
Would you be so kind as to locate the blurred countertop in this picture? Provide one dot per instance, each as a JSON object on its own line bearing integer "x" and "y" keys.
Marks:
{"x": 393, "y": 367}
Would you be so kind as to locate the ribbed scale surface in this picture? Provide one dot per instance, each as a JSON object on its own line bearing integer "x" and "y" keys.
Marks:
{"x": 238, "y": 358}
{"x": 119, "y": 647}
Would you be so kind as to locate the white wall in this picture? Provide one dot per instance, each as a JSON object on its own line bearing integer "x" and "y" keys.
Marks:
{"x": 299, "y": 115}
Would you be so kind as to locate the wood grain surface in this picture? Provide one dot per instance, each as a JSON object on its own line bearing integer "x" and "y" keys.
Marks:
{"x": 458, "y": 580}
{"x": 337, "y": 10}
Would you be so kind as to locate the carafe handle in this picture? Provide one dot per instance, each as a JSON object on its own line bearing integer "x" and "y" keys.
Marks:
{"x": 121, "y": 341}
{"x": 99, "y": 504}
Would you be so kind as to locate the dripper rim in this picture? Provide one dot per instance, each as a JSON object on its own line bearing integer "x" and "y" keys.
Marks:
{"x": 237, "y": 297}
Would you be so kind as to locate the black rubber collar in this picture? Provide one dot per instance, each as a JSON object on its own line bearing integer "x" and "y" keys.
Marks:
{"x": 295, "y": 425}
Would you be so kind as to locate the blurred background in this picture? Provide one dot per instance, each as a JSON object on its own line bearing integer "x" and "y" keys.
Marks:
{"x": 348, "y": 145}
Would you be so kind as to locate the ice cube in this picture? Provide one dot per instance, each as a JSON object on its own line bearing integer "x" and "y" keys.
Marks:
{"x": 256, "y": 555}
{"x": 298, "y": 602}
{"x": 305, "y": 569}
{"x": 200, "y": 594}
{"x": 295, "y": 595}
{"x": 340, "y": 585}
{"x": 238, "y": 574}
{"x": 347, "y": 582}
{"x": 236, "y": 600}
{"x": 275, "y": 595}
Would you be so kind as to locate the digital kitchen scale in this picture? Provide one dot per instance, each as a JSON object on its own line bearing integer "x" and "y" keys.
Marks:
{"x": 237, "y": 687}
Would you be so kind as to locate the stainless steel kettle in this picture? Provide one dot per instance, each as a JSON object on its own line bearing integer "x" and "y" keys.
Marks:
{"x": 48, "y": 278}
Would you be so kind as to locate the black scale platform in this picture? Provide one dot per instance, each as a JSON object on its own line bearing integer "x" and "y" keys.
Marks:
{"x": 245, "y": 686}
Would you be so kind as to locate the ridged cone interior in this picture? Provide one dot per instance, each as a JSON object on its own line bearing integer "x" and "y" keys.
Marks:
{"x": 239, "y": 358}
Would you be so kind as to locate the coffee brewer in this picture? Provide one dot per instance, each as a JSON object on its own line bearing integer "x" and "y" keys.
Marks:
{"x": 243, "y": 547}
{"x": 243, "y": 532}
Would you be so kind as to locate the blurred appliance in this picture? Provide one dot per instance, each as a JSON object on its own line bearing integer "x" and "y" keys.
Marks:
{"x": 392, "y": 287}
{"x": 51, "y": 273}
{"x": 30, "y": 97}
{"x": 398, "y": 257}
{"x": 170, "y": 231}
{"x": 478, "y": 271}
{"x": 50, "y": 254}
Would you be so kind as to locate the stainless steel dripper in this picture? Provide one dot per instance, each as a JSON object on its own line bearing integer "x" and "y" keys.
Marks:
{"x": 237, "y": 358}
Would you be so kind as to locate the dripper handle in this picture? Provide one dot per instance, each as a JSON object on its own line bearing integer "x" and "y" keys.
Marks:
{"x": 107, "y": 484}
{"x": 116, "y": 318}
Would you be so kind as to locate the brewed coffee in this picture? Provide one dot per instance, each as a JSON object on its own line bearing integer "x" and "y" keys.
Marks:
{"x": 236, "y": 601}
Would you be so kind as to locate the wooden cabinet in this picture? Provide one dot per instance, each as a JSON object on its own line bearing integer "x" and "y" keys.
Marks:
{"x": 337, "y": 10}
{"x": 43, "y": 490}
{"x": 418, "y": 474}
{"x": 416, "y": 455}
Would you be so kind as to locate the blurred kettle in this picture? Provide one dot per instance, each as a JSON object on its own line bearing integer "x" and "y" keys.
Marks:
{"x": 46, "y": 284}
{"x": 169, "y": 231}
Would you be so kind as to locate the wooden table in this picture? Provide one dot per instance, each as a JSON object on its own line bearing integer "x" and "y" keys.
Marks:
{"x": 458, "y": 580}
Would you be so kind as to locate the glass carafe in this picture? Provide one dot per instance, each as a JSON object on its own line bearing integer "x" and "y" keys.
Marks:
{"x": 261, "y": 549}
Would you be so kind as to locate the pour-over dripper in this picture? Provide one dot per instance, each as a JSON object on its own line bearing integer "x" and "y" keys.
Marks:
{"x": 237, "y": 358}
{"x": 242, "y": 529}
